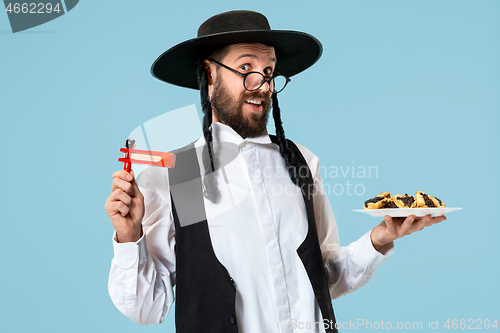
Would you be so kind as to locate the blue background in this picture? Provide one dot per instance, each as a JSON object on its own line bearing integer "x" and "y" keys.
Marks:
{"x": 411, "y": 87}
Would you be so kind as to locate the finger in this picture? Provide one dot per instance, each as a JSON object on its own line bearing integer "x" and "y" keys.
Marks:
{"x": 123, "y": 185}
{"x": 436, "y": 219}
{"x": 406, "y": 226}
{"x": 420, "y": 223}
{"x": 135, "y": 187}
{"x": 390, "y": 224}
{"x": 119, "y": 195}
{"x": 425, "y": 220}
{"x": 123, "y": 175}
{"x": 116, "y": 207}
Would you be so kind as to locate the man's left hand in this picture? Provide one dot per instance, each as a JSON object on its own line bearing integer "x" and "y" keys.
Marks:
{"x": 391, "y": 229}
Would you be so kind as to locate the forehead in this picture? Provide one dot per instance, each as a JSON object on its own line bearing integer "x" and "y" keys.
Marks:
{"x": 255, "y": 50}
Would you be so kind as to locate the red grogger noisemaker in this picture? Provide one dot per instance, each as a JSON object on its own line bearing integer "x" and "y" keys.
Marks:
{"x": 157, "y": 158}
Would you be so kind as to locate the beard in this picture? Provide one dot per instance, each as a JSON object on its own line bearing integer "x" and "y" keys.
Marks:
{"x": 230, "y": 111}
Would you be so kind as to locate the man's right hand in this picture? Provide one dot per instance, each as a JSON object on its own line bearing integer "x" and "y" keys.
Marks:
{"x": 125, "y": 207}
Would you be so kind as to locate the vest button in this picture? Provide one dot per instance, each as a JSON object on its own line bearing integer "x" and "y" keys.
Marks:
{"x": 233, "y": 320}
{"x": 232, "y": 281}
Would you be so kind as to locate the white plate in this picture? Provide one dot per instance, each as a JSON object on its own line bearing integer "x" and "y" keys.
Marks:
{"x": 403, "y": 212}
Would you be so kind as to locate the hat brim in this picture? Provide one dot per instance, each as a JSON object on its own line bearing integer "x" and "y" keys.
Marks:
{"x": 295, "y": 52}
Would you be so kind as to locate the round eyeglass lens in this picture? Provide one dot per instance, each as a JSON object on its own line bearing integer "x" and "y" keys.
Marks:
{"x": 253, "y": 81}
{"x": 279, "y": 83}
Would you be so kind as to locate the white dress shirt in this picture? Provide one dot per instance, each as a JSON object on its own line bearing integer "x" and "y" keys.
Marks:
{"x": 255, "y": 230}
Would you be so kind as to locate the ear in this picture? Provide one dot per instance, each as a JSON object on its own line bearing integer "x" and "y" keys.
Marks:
{"x": 211, "y": 71}
{"x": 211, "y": 75}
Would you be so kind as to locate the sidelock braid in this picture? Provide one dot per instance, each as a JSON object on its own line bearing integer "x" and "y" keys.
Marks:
{"x": 209, "y": 181}
{"x": 292, "y": 163}
{"x": 206, "y": 107}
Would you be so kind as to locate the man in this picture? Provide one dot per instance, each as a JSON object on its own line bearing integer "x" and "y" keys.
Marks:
{"x": 264, "y": 256}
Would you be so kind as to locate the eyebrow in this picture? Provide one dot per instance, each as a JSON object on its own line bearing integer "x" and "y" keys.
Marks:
{"x": 253, "y": 56}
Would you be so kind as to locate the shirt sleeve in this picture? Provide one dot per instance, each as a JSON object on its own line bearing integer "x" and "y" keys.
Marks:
{"x": 349, "y": 267}
{"x": 142, "y": 274}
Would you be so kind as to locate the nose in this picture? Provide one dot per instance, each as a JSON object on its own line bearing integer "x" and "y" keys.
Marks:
{"x": 265, "y": 87}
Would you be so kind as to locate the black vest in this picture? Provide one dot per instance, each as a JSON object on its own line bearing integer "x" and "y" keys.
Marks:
{"x": 205, "y": 292}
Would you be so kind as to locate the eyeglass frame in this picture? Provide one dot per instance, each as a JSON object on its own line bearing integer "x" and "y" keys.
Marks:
{"x": 264, "y": 78}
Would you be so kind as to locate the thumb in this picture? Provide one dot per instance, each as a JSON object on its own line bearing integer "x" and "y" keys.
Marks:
{"x": 133, "y": 182}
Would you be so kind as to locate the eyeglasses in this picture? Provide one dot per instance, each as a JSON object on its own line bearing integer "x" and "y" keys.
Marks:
{"x": 254, "y": 80}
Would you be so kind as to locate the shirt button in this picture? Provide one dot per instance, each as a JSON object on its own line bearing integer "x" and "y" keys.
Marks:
{"x": 243, "y": 144}
{"x": 233, "y": 320}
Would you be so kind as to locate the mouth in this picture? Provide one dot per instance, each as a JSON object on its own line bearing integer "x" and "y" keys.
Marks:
{"x": 254, "y": 105}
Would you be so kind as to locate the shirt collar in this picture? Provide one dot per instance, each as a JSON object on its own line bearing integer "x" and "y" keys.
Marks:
{"x": 224, "y": 133}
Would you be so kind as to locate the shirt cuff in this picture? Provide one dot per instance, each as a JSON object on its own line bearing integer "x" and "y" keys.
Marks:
{"x": 365, "y": 255}
{"x": 129, "y": 255}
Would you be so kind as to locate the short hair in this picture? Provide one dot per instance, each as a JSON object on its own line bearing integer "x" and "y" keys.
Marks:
{"x": 219, "y": 53}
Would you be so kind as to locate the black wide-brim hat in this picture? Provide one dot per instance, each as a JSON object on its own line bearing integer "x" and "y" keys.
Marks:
{"x": 295, "y": 51}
